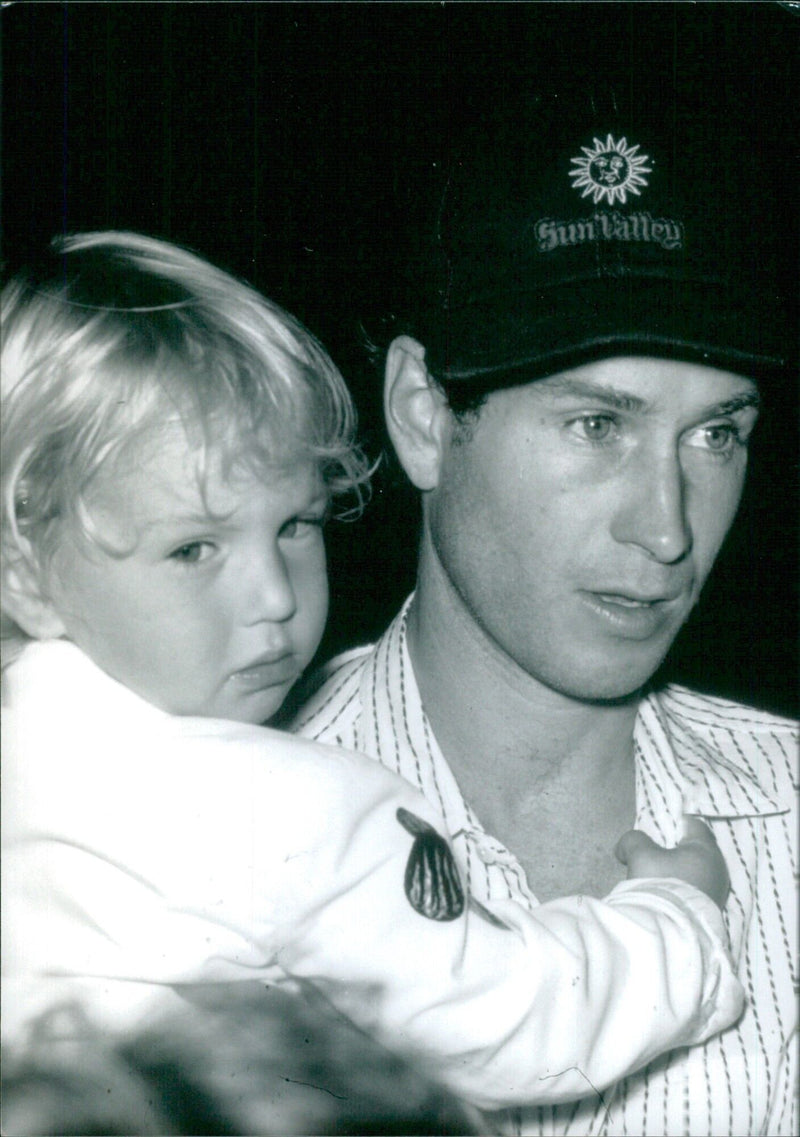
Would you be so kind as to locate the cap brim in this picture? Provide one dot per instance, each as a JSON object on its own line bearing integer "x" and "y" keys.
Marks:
{"x": 563, "y": 326}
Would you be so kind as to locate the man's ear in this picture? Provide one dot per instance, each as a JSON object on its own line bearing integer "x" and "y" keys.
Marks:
{"x": 25, "y": 600}
{"x": 417, "y": 416}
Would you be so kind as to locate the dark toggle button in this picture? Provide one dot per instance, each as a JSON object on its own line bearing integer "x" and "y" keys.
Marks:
{"x": 432, "y": 883}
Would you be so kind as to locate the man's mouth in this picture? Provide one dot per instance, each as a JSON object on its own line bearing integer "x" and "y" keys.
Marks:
{"x": 627, "y": 601}
{"x": 634, "y": 616}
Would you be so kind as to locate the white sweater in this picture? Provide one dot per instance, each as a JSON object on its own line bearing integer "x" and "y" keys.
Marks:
{"x": 144, "y": 850}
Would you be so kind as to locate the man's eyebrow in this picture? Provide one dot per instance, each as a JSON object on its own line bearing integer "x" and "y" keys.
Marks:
{"x": 562, "y": 385}
{"x": 739, "y": 403}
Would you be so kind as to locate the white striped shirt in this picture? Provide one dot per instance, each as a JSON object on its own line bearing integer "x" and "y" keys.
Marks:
{"x": 733, "y": 766}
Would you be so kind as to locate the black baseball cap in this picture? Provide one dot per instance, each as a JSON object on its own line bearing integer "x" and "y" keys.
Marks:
{"x": 576, "y": 226}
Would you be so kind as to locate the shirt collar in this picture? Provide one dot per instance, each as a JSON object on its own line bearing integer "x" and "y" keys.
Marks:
{"x": 695, "y": 745}
{"x": 703, "y": 755}
{"x": 396, "y": 725}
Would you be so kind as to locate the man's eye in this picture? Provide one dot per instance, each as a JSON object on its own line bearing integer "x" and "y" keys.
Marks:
{"x": 720, "y": 436}
{"x": 192, "y": 552}
{"x": 594, "y": 428}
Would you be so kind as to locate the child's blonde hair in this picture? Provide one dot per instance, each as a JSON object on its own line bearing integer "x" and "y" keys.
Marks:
{"x": 119, "y": 333}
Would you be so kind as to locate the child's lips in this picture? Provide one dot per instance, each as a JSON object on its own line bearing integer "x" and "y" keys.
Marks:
{"x": 270, "y": 670}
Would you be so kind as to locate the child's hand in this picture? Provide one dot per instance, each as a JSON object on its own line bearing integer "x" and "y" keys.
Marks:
{"x": 696, "y": 859}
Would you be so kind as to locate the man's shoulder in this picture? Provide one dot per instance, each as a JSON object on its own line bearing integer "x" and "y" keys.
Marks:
{"x": 743, "y": 751}
{"x": 328, "y": 700}
{"x": 713, "y": 712}
{"x": 337, "y": 670}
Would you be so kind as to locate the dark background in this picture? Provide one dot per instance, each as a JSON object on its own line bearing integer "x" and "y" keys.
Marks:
{"x": 276, "y": 139}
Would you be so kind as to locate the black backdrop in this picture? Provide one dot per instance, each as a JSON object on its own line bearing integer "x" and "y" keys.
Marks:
{"x": 273, "y": 138}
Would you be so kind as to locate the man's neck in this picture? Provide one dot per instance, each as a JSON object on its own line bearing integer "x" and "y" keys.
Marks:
{"x": 534, "y": 763}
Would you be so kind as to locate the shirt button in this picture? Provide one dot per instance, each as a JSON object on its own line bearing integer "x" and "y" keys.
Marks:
{"x": 492, "y": 853}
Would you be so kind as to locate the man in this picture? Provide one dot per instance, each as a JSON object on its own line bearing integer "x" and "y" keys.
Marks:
{"x": 596, "y": 320}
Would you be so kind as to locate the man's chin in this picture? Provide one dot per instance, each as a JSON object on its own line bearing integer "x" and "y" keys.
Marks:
{"x": 598, "y": 692}
{"x": 609, "y": 680}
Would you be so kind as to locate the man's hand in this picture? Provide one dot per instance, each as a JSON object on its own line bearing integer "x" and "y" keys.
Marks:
{"x": 696, "y": 859}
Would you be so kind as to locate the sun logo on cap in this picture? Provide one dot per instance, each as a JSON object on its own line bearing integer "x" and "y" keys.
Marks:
{"x": 610, "y": 170}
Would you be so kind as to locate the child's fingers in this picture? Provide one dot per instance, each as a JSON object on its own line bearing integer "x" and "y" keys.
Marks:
{"x": 632, "y": 843}
{"x": 636, "y": 842}
{"x": 696, "y": 830}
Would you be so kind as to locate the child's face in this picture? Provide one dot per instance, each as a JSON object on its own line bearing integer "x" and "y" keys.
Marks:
{"x": 219, "y": 600}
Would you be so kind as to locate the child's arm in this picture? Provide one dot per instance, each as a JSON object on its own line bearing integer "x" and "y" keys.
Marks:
{"x": 220, "y": 852}
{"x": 538, "y": 1010}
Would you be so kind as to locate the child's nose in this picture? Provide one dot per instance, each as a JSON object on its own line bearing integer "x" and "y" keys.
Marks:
{"x": 269, "y": 590}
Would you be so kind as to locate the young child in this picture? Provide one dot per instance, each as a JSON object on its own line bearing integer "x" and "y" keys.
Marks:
{"x": 171, "y": 446}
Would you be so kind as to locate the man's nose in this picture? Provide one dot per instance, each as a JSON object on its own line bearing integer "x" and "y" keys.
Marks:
{"x": 267, "y": 588}
{"x": 653, "y": 512}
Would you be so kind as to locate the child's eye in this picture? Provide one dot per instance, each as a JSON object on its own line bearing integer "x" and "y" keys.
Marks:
{"x": 300, "y": 527}
{"x": 192, "y": 553}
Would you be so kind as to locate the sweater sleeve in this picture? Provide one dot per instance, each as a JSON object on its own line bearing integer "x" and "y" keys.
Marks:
{"x": 206, "y": 851}
{"x": 506, "y": 1006}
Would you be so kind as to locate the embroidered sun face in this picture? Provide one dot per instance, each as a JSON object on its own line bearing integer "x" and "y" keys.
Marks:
{"x": 610, "y": 171}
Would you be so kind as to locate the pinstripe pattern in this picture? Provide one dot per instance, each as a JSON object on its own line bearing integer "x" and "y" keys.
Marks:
{"x": 733, "y": 766}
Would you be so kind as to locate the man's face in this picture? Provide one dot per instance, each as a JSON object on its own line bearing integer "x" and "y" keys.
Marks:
{"x": 579, "y": 517}
{"x": 205, "y": 599}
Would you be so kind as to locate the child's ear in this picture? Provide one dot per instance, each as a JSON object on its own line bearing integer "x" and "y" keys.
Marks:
{"x": 417, "y": 416}
{"x": 25, "y": 600}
